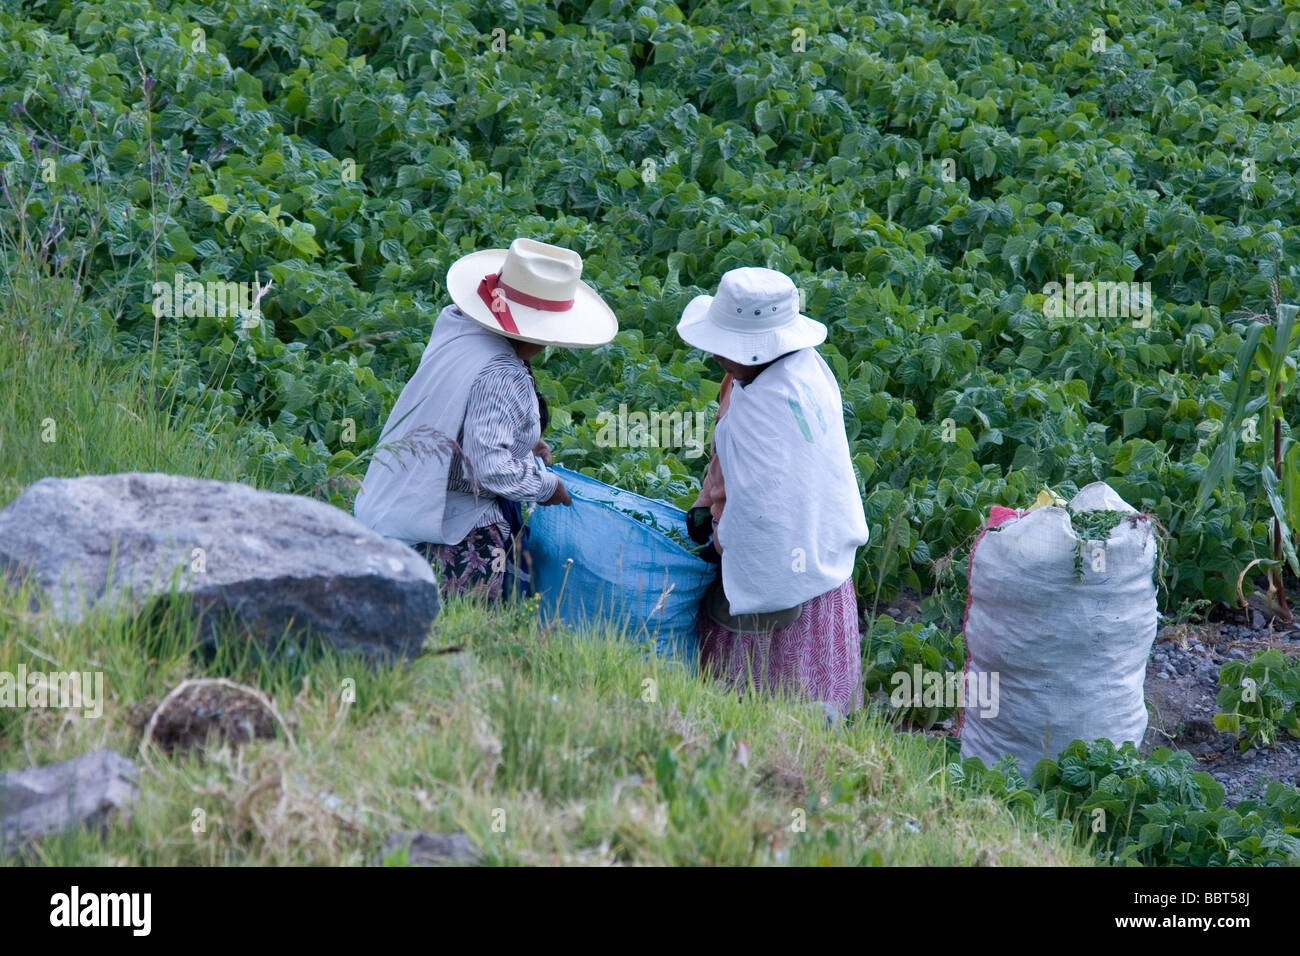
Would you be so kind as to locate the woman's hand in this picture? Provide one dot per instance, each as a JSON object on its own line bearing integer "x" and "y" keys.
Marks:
{"x": 560, "y": 496}
{"x": 543, "y": 451}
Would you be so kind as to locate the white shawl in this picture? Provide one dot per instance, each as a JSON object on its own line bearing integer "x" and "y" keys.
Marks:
{"x": 404, "y": 494}
{"x": 793, "y": 518}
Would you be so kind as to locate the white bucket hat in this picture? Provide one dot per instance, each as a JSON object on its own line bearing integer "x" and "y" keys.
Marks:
{"x": 753, "y": 319}
{"x": 532, "y": 292}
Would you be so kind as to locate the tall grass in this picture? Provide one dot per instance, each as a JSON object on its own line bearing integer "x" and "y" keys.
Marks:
{"x": 71, "y": 405}
{"x": 551, "y": 756}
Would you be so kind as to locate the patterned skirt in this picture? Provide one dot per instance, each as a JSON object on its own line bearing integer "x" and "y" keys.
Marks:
{"x": 484, "y": 564}
{"x": 819, "y": 656}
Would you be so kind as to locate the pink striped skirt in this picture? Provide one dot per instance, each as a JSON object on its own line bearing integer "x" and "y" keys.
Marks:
{"x": 819, "y": 656}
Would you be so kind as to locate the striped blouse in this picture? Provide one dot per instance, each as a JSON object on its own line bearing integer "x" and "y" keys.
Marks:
{"x": 502, "y": 427}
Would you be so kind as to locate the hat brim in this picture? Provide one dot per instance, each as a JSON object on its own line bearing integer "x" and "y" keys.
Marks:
{"x": 589, "y": 323}
{"x": 696, "y": 329}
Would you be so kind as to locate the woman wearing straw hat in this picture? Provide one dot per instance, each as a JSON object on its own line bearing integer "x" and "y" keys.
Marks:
{"x": 458, "y": 501}
{"x": 780, "y": 501}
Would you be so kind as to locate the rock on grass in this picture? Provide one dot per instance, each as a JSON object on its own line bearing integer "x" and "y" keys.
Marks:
{"x": 428, "y": 849}
{"x": 273, "y": 562}
{"x": 43, "y": 800}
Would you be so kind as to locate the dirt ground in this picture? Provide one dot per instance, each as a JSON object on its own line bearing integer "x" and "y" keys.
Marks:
{"x": 1181, "y": 690}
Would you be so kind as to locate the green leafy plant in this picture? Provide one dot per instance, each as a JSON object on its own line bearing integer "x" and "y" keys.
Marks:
{"x": 1260, "y": 697}
{"x": 895, "y": 653}
{"x": 677, "y": 535}
{"x": 903, "y": 169}
{"x": 1153, "y": 812}
{"x": 1092, "y": 526}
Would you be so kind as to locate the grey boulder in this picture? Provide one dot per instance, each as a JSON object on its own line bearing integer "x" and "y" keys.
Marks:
{"x": 43, "y": 800}
{"x": 277, "y": 563}
{"x": 429, "y": 849}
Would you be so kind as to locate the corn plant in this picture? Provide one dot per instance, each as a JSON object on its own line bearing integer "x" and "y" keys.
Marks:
{"x": 1270, "y": 347}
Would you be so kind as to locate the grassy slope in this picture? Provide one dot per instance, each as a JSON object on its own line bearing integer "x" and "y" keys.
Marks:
{"x": 551, "y": 729}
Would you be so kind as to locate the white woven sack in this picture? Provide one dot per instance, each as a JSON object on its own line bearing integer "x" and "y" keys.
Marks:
{"x": 1068, "y": 658}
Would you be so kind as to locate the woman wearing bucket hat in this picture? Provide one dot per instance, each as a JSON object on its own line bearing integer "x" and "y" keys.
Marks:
{"x": 780, "y": 501}
{"x": 458, "y": 501}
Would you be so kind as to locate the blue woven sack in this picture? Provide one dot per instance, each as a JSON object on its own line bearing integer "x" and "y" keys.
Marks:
{"x": 594, "y": 564}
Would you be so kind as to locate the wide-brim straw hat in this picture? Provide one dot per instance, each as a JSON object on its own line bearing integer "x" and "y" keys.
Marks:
{"x": 532, "y": 292}
{"x": 753, "y": 319}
